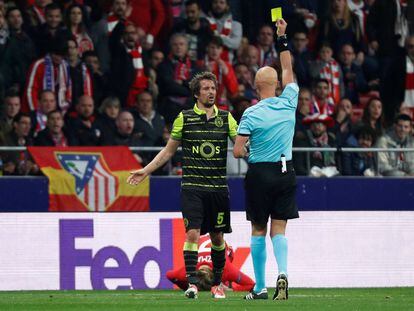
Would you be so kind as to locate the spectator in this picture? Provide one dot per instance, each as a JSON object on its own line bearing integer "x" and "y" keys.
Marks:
{"x": 302, "y": 58}
{"x": 326, "y": 67}
{"x": 108, "y": 112}
{"x": 266, "y": 46}
{"x": 49, "y": 73}
{"x": 400, "y": 163}
{"x": 80, "y": 76}
{"x": 353, "y": 76}
{"x": 54, "y": 135}
{"x": 53, "y": 29}
{"x": 47, "y": 103}
{"x": 18, "y": 162}
{"x": 125, "y": 135}
{"x": 342, "y": 27}
{"x": 128, "y": 75}
{"x": 227, "y": 81}
{"x": 148, "y": 15}
{"x": 75, "y": 22}
{"x": 11, "y": 109}
{"x": 360, "y": 163}
{"x": 148, "y": 122}
{"x": 102, "y": 30}
{"x": 361, "y": 10}
{"x": 100, "y": 79}
{"x": 36, "y": 12}
{"x": 174, "y": 74}
{"x": 20, "y": 51}
{"x": 303, "y": 110}
{"x": 157, "y": 57}
{"x": 316, "y": 136}
{"x": 82, "y": 123}
{"x": 245, "y": 78}
{"x": 4, "y": 35}
{"x": 196, "y": 28}
{"x": 398, "y": 86}
{"x": 250, "y": 57}
{"x": 343, "y": 122}
{"x": 322, "y": 102}
{"x": 386, "y": 38}
{"x": 223, "y": 25}
{"x": 373, "y": 116}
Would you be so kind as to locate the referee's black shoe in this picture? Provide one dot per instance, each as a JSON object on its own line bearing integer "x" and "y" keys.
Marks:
{"x": 260, "y": 295}
{"x": 282, "y": 290}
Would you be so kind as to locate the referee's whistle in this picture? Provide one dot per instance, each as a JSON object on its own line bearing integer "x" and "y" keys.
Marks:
{"x": 284, "y": 167}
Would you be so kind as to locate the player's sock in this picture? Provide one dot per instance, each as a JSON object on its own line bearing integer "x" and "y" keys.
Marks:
{"x": 190, "y": 260}
{"x": 218, "y": 257}
{"x": 280, "y": 249}
{"x": 258, "y": 250}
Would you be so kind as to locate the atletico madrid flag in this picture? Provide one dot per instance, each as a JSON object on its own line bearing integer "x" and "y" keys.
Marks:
{"x": 83, "y": 179}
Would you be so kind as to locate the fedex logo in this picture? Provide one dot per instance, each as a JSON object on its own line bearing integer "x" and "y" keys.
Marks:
{"x": 168, "y": 256}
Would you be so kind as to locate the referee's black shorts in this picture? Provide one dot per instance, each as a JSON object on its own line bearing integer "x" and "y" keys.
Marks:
{"x": 208, "y": 211}
{"x": 269, "y": 192}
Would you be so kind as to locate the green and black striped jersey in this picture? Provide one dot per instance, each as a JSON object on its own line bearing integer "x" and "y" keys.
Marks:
{"x": 204, "y": 144}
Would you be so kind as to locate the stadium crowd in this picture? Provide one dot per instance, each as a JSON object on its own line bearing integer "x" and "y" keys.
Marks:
{"x": 104, "y": 73}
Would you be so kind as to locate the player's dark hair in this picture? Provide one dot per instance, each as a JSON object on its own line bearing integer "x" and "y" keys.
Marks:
{"x": 195, "y": 82}
{"x": 205, "y": 279}
{"x": 20, "y": 116}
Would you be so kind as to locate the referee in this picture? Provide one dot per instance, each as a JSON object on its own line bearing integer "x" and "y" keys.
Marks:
{"x": 203, "y": 133}
{"x": 270, "y": 183}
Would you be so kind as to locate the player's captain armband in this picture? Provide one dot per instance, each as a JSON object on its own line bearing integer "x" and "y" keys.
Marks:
{"x": 276, "y": 14}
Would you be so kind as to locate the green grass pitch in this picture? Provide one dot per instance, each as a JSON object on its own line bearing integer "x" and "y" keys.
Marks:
{"x": 371, "y": 299}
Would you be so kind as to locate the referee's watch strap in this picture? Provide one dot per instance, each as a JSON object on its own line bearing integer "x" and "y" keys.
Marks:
{"x": 282, "y": 44}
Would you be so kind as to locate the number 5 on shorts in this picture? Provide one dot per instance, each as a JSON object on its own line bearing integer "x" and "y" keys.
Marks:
{"x": 220, "y": 218}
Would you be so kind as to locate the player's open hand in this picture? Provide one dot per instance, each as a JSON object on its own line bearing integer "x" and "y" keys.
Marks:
{"x": 281, "y": 27}
{"x": 136, "y": 177}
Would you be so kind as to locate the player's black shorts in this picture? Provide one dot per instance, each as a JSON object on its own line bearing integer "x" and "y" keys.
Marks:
{"x": 205, "y": 210}
{"x": 269, "y": 192}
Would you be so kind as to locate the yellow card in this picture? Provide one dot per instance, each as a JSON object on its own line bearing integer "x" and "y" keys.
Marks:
{"x": 276, "y": 14}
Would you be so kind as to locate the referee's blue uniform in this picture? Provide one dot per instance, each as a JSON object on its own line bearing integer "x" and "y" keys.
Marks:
{"x": 270, "y": 124}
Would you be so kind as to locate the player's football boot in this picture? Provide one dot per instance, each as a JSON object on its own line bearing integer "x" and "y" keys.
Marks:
{"x": 259, "y": 295}
{"x": 191, "y": 292}
{"x": 217, "y": 291}
{"x": 281, "y": 291}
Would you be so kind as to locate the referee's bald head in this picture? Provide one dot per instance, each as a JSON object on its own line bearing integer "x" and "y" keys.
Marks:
{"x": 266, "y": 76}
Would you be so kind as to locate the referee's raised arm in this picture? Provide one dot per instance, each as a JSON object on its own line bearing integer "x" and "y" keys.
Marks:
{"x": 285, "y": 58}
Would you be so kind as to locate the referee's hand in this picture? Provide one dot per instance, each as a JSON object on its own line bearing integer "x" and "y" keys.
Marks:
{"x": 281, "y": 27}
{"x": 136, "y": 177}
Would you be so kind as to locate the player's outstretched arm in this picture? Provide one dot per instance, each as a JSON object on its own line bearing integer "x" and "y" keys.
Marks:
{"x": 160, "y": 159}
{"x": 284, "y": 53}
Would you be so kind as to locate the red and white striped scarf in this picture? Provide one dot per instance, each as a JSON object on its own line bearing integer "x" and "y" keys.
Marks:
{"x": 182, "y": 70}
{"x": 328, "y": 108}
{"x": 40, "y": 13}
{"x": 141, "y": 80}
{"x": 225, "y": 31}
{"x": 409, "y": 84}
{"x": 361, "y": 12}
{"x": 112, "y": 20}
{"x": 330, "y": 72}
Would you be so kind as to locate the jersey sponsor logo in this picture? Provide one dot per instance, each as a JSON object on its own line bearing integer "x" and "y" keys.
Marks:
{"x": 218, "y": 121}
{"x": 206, "y": 150}
{"x": 193, "y": 119}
